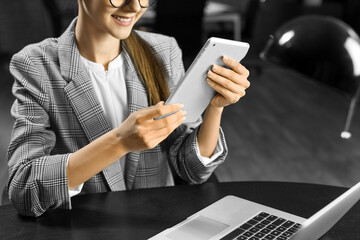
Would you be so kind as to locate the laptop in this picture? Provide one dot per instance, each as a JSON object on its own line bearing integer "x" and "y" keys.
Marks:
{"x": 235, "y": 218}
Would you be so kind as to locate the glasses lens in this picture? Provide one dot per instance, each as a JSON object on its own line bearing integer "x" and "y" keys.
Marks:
{"x": 117, "y": 3}
{"x": 147, "y": 3}
{"x": 143, "y": 3}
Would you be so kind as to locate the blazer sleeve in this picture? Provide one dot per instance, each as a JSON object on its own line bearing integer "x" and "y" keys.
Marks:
{"x": 182, "y": 143}
{"x": 37, "y": 179}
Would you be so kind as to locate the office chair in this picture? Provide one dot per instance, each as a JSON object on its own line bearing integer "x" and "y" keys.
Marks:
{"x": 323, "y": 48}
{"x": 62, "y": 13}
{"x": 23, "y": 22}
{"x": 265, "y": 17}
{"x": 182, "y": 20}
{"x": 4, "y": 198}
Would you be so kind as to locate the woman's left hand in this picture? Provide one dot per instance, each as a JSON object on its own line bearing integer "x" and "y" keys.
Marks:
{"x": 230, "y": 84}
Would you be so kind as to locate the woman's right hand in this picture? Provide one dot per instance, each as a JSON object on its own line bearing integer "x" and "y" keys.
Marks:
{"x": 140, "y": 131}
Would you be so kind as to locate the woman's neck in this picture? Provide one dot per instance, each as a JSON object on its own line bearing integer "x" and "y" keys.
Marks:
{"x": 95, "y": 45}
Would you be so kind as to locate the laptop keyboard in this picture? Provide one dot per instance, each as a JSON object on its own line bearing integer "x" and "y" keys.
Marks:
{"x": 264, "y": 226}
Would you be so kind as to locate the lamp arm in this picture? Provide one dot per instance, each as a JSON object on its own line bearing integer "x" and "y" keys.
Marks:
{"x": 345, "y": 134}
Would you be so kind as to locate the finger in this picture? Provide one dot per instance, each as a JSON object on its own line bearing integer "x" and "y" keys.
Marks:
{"x": 225, "y": 82}
{"x": 236, "y": 66}
{"x": 229, "y": 96}
{"x": 229, "y": 74}
{"x": 169, "y": 120}
{"x": 159, "y": 110}
{"x": 150, "y": 132}
{"x": 162, "y": 109}
{"x": 166, "y": 130}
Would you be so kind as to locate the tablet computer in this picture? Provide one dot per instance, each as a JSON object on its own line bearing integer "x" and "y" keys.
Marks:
{"x": 193, "y": 90}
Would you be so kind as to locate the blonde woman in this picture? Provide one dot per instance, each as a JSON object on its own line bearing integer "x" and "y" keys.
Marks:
{"x": 85, "y": 108}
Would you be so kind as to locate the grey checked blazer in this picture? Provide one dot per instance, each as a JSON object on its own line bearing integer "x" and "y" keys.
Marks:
{"x": 57, "y": 112}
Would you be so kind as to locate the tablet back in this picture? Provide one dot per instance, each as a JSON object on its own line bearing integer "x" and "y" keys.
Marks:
{"x": 193, "y": 90}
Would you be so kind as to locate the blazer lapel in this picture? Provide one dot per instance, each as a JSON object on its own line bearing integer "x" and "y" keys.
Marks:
{"x": 137, "y": 100}
{"x": 86, "y": 106}
{"x": 84, "y": 102}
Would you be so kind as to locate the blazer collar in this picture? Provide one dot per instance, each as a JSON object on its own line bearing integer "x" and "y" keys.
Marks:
{"x": 69, "y": 56}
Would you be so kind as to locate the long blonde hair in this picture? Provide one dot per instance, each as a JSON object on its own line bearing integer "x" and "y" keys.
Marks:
{"x": 148, "y": 66}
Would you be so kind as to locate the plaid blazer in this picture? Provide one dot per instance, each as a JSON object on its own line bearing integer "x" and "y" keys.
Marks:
{"x": 57, "y": 112}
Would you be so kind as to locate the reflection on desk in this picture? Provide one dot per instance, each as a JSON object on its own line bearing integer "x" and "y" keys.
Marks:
{"x": 140, "y": 214}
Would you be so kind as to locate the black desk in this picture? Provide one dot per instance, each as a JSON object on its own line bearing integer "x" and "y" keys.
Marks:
{"x": 140, "y": 214}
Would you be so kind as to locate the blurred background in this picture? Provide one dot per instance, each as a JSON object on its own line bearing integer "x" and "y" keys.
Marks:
{"x": 288, "y": 126}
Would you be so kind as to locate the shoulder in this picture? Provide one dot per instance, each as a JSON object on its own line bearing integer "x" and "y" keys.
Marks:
{"x": 37, "y": 53}
{"x": 33, "y": 66}
{"x": 158, "y": 41}
{"x": 35, "y": 61}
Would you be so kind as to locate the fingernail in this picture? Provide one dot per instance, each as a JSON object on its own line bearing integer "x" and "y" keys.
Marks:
{"x": 180, "y": 105}
{"x": 225, "y": 58}
{"x": 184, "y": 113}
{"x": 214, "y": 67}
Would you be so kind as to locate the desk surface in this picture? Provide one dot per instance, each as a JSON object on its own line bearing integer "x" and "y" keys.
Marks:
{"x": 140, "y": 214}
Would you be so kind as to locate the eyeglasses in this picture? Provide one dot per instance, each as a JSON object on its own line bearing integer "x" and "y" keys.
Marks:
{"x": 121, "y": 3}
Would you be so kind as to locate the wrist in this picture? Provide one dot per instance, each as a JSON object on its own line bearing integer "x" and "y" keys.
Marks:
{"x": 214, "y": 109}
{"x": 213, "y": 114}
{"x": 120, "y": 143}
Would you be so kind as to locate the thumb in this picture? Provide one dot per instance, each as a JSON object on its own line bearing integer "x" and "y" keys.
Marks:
{"x": 161, "y": 103}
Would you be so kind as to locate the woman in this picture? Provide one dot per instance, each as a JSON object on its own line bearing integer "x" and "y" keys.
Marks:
{"x": 85, "y": 108}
